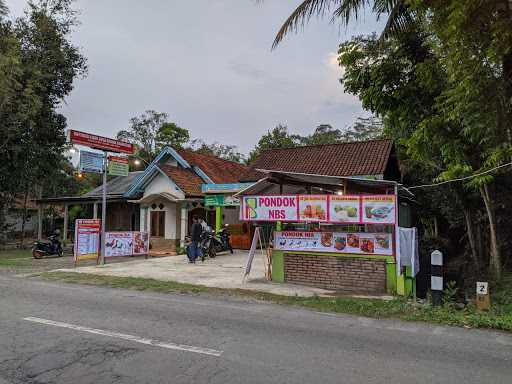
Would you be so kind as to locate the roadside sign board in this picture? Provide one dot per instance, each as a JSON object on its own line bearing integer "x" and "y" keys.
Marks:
{"x": 91, "y": 162}
{"x": 87, "y": 239}
{"x": 221, "y": 201}
{"x": 118, "y": 166}
{"x": 100, "y": 142}
{"x": 223, "y": 188}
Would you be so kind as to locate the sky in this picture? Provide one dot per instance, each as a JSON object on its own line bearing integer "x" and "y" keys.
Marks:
{"x": 208, "y": 64}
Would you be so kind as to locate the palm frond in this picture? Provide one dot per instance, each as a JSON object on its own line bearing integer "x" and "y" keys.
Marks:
{"x": 3, "y": 8}
{"x": 302, "y": 14}
{"x": 399, "y": 20}
{"x": 349, "y": 9}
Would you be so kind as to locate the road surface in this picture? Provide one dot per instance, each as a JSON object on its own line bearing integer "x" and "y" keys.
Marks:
{"x": 57, "y": 333}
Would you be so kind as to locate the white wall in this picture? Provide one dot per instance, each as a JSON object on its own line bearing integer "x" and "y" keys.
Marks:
{"x": 161, "y": 184}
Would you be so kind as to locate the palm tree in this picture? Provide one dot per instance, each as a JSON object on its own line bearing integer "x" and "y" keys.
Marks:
{"x": 398, "y": 14}
{"x": 3, "y": 9}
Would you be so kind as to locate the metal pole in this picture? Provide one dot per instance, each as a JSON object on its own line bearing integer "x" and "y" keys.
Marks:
{"x": 103, "y": 210}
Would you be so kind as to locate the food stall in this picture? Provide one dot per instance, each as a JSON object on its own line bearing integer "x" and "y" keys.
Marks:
{"x": 330, "y": 232}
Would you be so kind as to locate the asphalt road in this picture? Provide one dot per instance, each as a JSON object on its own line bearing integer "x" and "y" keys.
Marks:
{"x": 59, "y": 333}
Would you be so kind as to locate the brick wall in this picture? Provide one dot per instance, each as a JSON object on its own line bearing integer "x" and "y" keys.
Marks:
{"x": 349, "y": 274}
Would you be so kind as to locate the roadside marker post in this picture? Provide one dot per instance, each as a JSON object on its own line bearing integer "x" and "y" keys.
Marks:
{"x": 436, "y": 277}
{"x": 483, "y": 300}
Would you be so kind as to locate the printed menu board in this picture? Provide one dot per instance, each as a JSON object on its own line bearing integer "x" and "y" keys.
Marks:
{"x": 336, "y": 242}
{"x": 313, "y": 208}
{"x": 379, "y": 209}
{"x": 87, "y": 239}
{"x": 118, "y": 244}
{"x": 345, "y": 209}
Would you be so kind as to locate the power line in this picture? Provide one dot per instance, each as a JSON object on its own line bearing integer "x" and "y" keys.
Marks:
{"x": 461, "y": 178}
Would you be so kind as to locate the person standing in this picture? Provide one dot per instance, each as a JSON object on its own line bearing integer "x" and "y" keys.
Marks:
{"x": 195, "y": 234}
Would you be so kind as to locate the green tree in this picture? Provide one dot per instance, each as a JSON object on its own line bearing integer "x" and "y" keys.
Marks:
{"x": 223, "y": 151}
{"x": 172, "y": 135}
{"x": 38, "y": 66}
{"x": 278, "y": 137}
{"x": 152, "y": 130}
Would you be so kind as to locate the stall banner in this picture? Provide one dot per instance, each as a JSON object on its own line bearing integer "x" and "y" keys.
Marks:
{"x": 118, "y": 244}
{"x": 270, "y": 208}
{"x": 126, "y": 243}
{"x": 140, "y": 243}
{"x": 379, "y": 209}
{"x": 335, "y": 242}
{"x": 357, "y": 209}
{"x": 87, "y": 239}
{"x": 345, "y": 209}
{"x": 313, "y": 208}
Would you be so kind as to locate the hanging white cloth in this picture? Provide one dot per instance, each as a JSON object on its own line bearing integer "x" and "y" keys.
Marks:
{"x": 408, "y": 249}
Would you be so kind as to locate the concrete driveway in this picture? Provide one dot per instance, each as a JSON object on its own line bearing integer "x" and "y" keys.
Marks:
{"x": 225, "y": 271}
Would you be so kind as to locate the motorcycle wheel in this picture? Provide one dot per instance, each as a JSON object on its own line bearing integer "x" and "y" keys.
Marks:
{"x": 60, "y": 253}
{"x": 213, "y": 253}
{"x": 36, "y": 254}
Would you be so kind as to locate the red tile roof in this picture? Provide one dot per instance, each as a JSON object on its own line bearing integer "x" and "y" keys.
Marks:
{"x": 362, "y": 158}
{"x": 219, "y": 170}
{"x": 185, "y": 179}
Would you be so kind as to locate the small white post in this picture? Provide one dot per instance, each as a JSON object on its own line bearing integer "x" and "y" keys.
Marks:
{"x": 436, "y": 277}
{"x": 95, "y": 211}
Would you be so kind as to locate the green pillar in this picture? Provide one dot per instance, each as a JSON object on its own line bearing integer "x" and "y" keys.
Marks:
{"x": 218, "y": 219}
{"x": 279, "y": 226}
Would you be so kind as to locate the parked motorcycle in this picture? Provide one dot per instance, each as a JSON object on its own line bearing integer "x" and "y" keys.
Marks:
{"x": 52, "y": 247}
{"x": 207, "y": 244}
{"x": 223, "y": 241}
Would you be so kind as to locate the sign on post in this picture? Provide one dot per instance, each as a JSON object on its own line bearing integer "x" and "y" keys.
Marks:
{"x": 87, "y": 239}
{"x": 126, "y": 244}
{"x": 100, "y": 142}
{"x": 221, "y": 201}
{"x": 91, "y": 162}
{"x": 118, "y": 166}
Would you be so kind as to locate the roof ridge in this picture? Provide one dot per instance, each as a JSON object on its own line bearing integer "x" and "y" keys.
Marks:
{"x": 209, "y": 156}
{"x": 327, "y": 144}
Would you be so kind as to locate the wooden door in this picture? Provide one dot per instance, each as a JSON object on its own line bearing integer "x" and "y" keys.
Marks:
{"x": 157, "y": 223}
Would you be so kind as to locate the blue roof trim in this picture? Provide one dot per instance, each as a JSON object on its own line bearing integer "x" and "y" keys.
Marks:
{"x": 202, "y": 175}
{"x": 165, "y": 152}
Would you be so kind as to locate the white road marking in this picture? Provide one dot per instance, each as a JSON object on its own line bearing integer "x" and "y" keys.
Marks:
{"x": 136, "y": 339}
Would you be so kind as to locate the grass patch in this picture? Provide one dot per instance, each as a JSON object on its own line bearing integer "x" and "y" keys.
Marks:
{"x": 16, "y": 258}
{"x": 498, "y": 318}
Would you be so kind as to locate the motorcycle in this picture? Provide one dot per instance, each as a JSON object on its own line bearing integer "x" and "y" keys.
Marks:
{"x": 223, "y": 241}
{"x": 207, "y": 244}
{"x": 53, "y": 247}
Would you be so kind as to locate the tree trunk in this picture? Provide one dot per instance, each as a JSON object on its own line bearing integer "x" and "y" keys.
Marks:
{"x": 468, "y": 218}
{"x": 24, "y": 220}
{"x": 495, "y": 253}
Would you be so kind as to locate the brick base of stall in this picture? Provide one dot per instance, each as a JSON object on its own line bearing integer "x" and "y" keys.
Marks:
{"x": 351, "y": 274}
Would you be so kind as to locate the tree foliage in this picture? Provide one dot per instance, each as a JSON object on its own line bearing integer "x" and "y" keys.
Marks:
{"x": 38, "y": 66}
{"x": 151, "y": 131}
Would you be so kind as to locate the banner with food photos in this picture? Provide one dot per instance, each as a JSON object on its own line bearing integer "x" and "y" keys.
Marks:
{"x": 335, "y": 242}
{"x": 336, "y": 209}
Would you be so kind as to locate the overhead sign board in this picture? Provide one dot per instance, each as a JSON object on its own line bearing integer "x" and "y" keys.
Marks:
{"x": 91, "y": 162}
{"x": 220, "y": 188}
{"x": 118, "y": 166}
{"x": 100, "y": 142}
{"x": 358, "y": 209}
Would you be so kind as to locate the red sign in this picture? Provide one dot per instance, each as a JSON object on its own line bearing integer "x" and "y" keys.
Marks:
{"x": 100, "y": 142}
{"x": 118, "y": 159}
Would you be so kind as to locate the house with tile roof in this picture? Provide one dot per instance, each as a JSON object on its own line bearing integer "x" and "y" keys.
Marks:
{"x": 374, "y": 159}
{"x": 162, "y": 199}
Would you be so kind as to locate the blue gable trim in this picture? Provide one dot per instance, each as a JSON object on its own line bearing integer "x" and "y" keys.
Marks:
{"x": 202, "y": 175}
{"x": 142, "y": 180}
